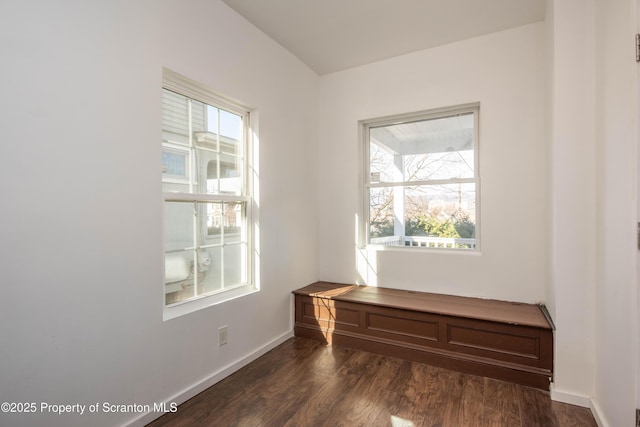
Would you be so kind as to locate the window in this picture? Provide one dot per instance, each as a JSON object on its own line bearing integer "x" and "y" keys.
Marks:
{"x": 207, "y": 195}
{"x": 421, "y": 179}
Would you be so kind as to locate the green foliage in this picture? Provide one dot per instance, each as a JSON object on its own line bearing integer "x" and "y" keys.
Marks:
{"x": 438, "y": 228}
{"x": 413, "y": 227}
{"x": 465, "y": 228}
{"x": 457, "y": 225}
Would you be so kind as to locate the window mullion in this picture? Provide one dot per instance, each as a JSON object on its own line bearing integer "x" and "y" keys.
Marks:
{"x": 192, "y": 151}
{"x": 196, "y": 243}
{"x": 222, "y": 245}
{"x": 417, "y": 183}
{"x": 187, "y": 197}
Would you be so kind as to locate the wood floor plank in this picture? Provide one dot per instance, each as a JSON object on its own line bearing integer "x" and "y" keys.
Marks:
{"x": 403, "y": 394}
{"x": 572, "y": 416}
{"x": 304, "y": 383}
{"x": 453, "y": 398}
{"x": 471, "y": 410}
{"x": 366, "y": 402}
{"x": 430, "y": 385}
{"x": 535, "y": 408}
{"x": 307, "y": 378}
{"x": 501, "y": 404}
{"x": 319, "y": 408}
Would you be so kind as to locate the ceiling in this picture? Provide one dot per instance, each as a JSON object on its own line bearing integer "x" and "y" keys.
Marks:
{"x": 334, "y": 35}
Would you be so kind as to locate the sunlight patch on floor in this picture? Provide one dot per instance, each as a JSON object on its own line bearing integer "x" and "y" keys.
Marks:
{"x": 400, "y": 422}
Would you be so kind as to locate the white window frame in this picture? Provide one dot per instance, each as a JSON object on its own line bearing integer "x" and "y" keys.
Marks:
{"x": 177, "y": 83}
{"x": 363, "y": 238}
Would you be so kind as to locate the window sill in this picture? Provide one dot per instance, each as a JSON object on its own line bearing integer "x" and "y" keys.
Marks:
{"x": 193, "y": 305}
{"x": 423, "y": 249}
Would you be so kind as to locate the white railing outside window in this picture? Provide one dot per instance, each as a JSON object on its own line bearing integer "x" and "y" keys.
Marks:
{"x": 425, "y": 241}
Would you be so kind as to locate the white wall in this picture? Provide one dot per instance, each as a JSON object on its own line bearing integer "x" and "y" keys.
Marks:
{"x": 594, "y": 193}
{"x": 616, "y": 316}
{"x": 573, "y": 187}
{"x": 505, "y": 73}
{"x": 81, "y": 231}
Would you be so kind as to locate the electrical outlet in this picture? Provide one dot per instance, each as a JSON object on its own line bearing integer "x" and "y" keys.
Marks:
{"x": 222, "y": 335}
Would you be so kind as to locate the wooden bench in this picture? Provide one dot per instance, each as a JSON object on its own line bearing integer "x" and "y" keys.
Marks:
{"x": 498, "y": 339}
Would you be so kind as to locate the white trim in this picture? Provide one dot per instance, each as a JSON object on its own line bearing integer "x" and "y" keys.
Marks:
{"x": 218, "y": 297}
{"x": 201, "y": 197}
{"x": 579, "y": 400}
{"x": 570, "y": 398}
{"x": 190, "y": 88}
{"x": 417, "y": 183}
{"x": 596, "y": 411}
{"x": 455, "y": 110}
{"x": 209, "y": 381}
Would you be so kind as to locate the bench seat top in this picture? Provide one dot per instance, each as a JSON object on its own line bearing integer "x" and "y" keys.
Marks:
{"x": 514, "y": 313}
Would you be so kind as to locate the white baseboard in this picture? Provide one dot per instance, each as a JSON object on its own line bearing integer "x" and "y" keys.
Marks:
{"x": 570, "y": 398}
{"x": 201, "y": 386}
{"x": 578, "y": 400}
{"x": 596, "y": 411}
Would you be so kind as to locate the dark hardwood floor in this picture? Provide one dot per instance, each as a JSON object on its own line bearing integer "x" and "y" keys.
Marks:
{"x": 305, "y": 383}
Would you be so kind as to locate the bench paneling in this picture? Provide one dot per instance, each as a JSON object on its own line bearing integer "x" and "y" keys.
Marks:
{"x": 499, "y": 339}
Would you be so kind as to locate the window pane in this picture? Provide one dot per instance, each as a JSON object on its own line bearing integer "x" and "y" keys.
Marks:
{"x": 175, "y": 163}
{"x": 231, "y": 127}
{"x": 175, "y": 118}
{"x": 381, "y": 216}
{"x": 180, "y": 283}
{"x": 223, "y": 174}
{"x": 214, "y": 218}
{"x": 440, "y": 210}
{"x": 205, "y": 248}
{"x": 234, "y": 265}
{"x": 212, "y": 279}
{"x": 198, "y": 116}
{"x": 180, "y": 255}
{"x": 433, "y": 149}
{"x": 178, "y": 225}
{"x": 202, "y": 147}
{"x": 212, "y": 119}
{"x": 382, "y": 165}
{"x": 425, "y": 167}
{"x": 227, "y": 218}
{"x": 233, "y": 222}
{"x": 430, "y": 215}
